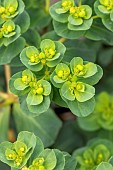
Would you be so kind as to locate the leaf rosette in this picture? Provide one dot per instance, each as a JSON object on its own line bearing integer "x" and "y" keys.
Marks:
{"x": 74, "y": 83}
{"x": 93, "y": 154}
{"x": 37, "y": 92}
{"x": 17, "y": 154}
{"x": 68, "y": 18}
{"x": 49, "y": 54}
{"x": 10, "y": 9}
{"x": 9, "y": 32}
{"x": 102, "y": 117}
{"x": 104, "y": 9}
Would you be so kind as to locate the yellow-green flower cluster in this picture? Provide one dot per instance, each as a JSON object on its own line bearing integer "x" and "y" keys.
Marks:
{"x": 6, "y": 12}
{"x": 102, "y": 116}
{"x": 69, "y": 79}
{"x": 78, "y": 12}
{"x": 67, "y": 5}
{"x": 42, "y": 56}
{"x": 7, "y": 28}
{"x": 48, "y": 54}
{"x": 17, "y": 153}
{"x": 91, "y": 156}
{"x": 38, "y": 164}
{"x": 108, "y": 4}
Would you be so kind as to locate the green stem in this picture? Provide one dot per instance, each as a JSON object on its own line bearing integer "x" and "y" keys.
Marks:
{"x": 62, "y": 40}
{"x": 95, "y": 17}
{"x": 47, "y": 5}
{"x": 80, "y": 2}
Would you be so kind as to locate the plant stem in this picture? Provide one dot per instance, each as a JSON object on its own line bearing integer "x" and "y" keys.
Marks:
{"x": 47, "y": 5}
{"x": 7, "y": 76}
{"x": 62, "y": 40}
{"x": 95, "y": 17}
{"x": 80, "y": 2}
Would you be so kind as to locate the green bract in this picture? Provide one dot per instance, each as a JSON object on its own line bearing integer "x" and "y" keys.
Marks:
{"x": 104, "y": 9}
{"x": 37, "y": 91}
{"x": 72, "y": 17}
{"x": 9, "y": 9}
{"x": 49, "y": 54}
{"x": 74, "y": 83}
{"x": 104, "y": 165}
{"x": 28, "y": 153}
{"x": 9, "y": 32}
{"x": 102, "y": 117}
{"x": 93, "y": 154}
{"x": 17, "y": 154}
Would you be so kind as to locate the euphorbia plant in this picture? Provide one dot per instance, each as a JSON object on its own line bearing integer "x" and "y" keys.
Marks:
{"x": 53, "y": 62}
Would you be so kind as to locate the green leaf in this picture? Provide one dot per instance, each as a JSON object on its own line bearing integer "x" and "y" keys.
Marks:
{"x": 74, "y": 62}
{"x": 19, "y": 85}
{"x": 60, "y": 51}
{"x": 13, "y": 38}
{"x": 95, "y": 78}
{"x": 57, "y": 98}
{"x": 54, "y": 80}
{"x": 39, "y": 147}
{"x": 86, "y": 95}
{"x": 99, "y": 32}
{"x": 63, "y": 31}
{"x": 11, "y": 51}
{"x": 41, "y": 108}
{"x": 111, "y": 160}
{"x": 63, "y": 18}
{"x": 67, "y": 141}
{"x": 75, "y": 21}
{"x": 44, "y": 131}
{"x": 34, "y": 99}
{"x": 103, "y": 9}
{"x": 47, "y": 87}
{"x": 111, "y": 16}
{"x": 84, "y": 26}
{"x": 81, "y": 109}
{"x": 89, "y": 123}
{"x": 13, "y": 3}
{"x": 66, "y": 91}
{"x": 104, "y": 166}
{"x": 108, "y": 23}
{"x": 23, "y": 20}
{"x": 13, "y": 89}
{"x": 25, "y": 60}
{"x": 46, "y": 44}
{"x": 3, "y": 147}
{"x": 88, "y": 11}
{"x": 50, "y": 159}
{"x": 35, "y": 40}
{"x": 97, "y": 11}
{"x": 79, "y": 48}
{"x": 31, "y": 50}
{"x": 60, "y": 160}
{"x": 26, "y": 137}
{"x": 91, "y": 70}
{"x": 4, "y": 120}
{"x": 70, "y": 162}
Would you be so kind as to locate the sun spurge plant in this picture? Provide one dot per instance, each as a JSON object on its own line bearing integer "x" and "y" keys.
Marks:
{"x": 93, "y": 154}
{"x": 74, "y": 83}
{"x": 28, "y": 153}
{"x": 51, "y": 53}
{"x": 104, "y": 9}
{"x": 74, "y": 80}
{"x": 102, "y": 117}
